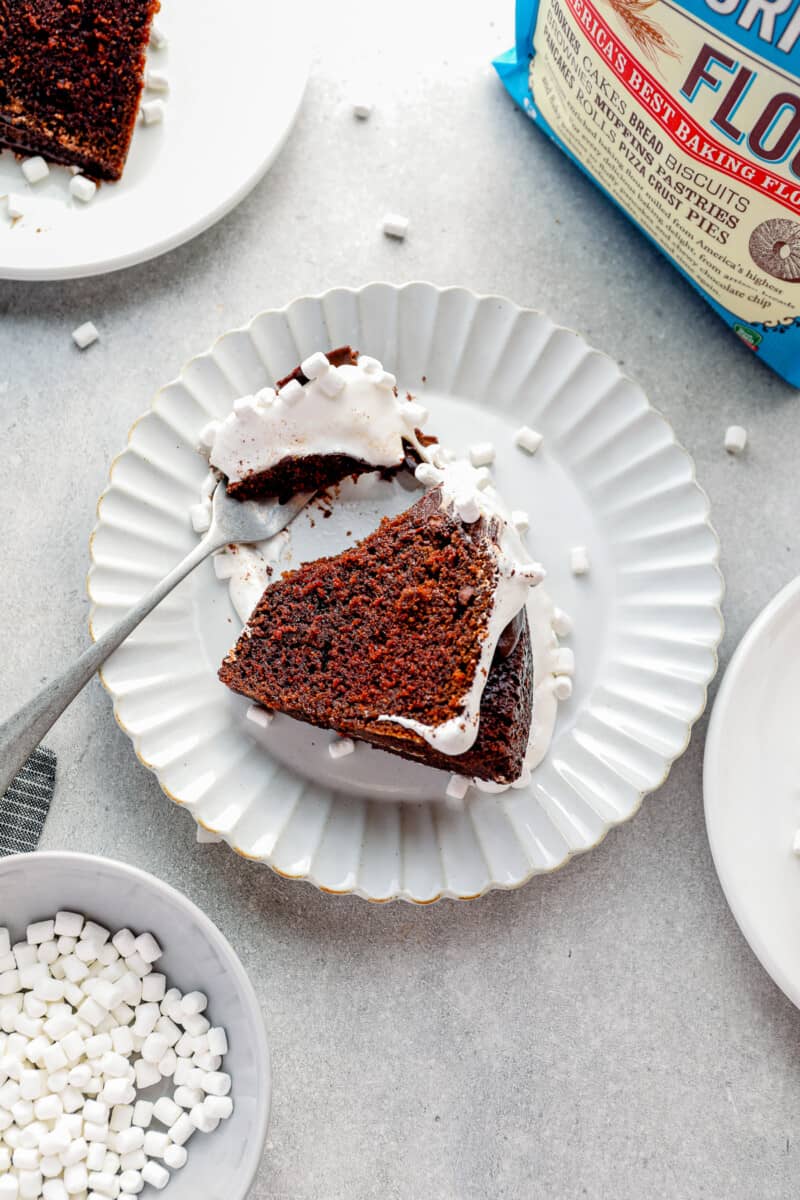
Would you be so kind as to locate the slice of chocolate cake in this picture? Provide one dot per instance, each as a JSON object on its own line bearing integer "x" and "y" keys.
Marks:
{"x": 336, "y": 415}
{"x": 71, "y": 75}
{"x": 415, "y": 640}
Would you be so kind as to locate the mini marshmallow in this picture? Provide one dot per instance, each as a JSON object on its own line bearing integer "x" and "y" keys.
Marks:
{"x": 428, "y": 475}
{"x": 147, "y": 1073}
{"x": 156, "y": 81}
{"x": 95, "y": 1156}
{"x": 263, "y": 717}
{"x": 562, "y": 623}
{"x": 563, "y": 661}
{"x": 315, "y": 366}
{"x": 217, "y": 1041}
{"x": 148, "y": 947}
{"x": 395, "y": 225}
{"x": 200, "y": 517}
{"x": 520, "y": 520}
{"x": 81, "y": 188}
{"x": 219, "y": 1107}
{"x": 735, "y": 439}
{"x": 362, "y": 110}
{"x": 201, "y": 1120}
{"x": 15, "y": 206}
{"x": 291, "y": 392}
{"x": 158, "y": 39}
{"x": 457, "y": 787}
{"x": 35, "y": 169}
{"x": 138, "y": 965}
{"x": 562, "y": 687}
{"x": 579, "y": 560}
{"x": 528, "y": 439}
{"x": 340, "y": 747}
{"x": 131, "y": 1183}
{"x": 224, "y": 568}
{"x": 154, "y": 1048}
{"x": 182, "y": 1130}
{"x": 467, "y": 507}
{"x": 98, "y": 935}
{"x": 155, "y": 1143}
{"x": 142, "y": 1113}
{"x": 156, "y": 1175}
{"x": 331, "y": 384}
{"x": 481, "y": 454}
{"x": 194, "y": 1003}
{"x": 40, "y": 931}
{"x": 85, "y": 335}
{"x": 153, "y": 112}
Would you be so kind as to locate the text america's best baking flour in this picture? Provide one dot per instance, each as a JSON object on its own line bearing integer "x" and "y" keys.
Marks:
{"x": 687, "y": 113}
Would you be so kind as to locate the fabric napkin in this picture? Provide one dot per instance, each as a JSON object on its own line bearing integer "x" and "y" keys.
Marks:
{"x": 25, "y": 805}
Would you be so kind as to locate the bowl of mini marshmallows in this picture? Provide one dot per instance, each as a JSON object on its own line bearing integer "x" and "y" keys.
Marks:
{"x": 133, "y": 1056}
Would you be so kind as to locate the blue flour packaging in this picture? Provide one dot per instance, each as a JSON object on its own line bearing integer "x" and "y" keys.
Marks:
{"x": 687, "y": 114}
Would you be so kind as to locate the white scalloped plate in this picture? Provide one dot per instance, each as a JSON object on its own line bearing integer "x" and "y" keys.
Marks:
{"x": 237, "y": 74}
{"x": 610, "y": 475}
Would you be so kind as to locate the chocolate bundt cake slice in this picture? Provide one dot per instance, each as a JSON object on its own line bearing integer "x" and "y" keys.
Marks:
{"x": 415, "y": 640}
{"x": 71, "y": 76}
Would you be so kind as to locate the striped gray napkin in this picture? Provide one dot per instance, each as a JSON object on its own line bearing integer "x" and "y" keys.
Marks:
{"x": 24, "y": 807}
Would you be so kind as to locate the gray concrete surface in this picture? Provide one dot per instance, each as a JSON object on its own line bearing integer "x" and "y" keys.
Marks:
{"x": 603, "y": 1033}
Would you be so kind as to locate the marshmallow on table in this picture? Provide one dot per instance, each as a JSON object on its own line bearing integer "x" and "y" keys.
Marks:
{"x": 362, "y": 109}
{"x": 262, "y": 717}
{"x": 85, "y": 335}
{"x": 735, "y": 439}
{"x": 158, "y": 39}
{"x": 395, "y": 225}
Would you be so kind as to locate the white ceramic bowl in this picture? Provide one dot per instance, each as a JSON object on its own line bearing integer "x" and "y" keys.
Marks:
{"x": 196, "y": 955}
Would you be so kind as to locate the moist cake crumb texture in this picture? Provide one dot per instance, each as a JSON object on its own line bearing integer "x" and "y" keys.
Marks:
{"x": 394, "y": 625}
{"x": 71, "y": 76}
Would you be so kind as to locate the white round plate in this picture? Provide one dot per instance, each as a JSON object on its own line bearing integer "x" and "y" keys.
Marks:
{"x": 610, "y": 476}
{"x": 237, "y": 73}
{"x": 752, "y": 787}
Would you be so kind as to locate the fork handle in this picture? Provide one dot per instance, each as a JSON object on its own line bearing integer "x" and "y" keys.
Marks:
{"x": 24, "y": 729}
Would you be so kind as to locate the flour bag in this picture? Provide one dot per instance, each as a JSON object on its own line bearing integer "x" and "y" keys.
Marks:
{"x": 687, "y": 114}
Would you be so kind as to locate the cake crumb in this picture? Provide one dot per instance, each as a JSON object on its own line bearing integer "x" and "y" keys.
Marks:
{"x": 528, "y": 439}
{"x": 735, "y": 439}
{"x": 395, "y": 225}
{"x": 85, "y": 335}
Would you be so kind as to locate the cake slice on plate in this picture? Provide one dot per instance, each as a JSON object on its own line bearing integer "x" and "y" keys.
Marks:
{"x": 415, "y": 640}
{"x": 336, "y": 415}
{"x": 71, "y": 75}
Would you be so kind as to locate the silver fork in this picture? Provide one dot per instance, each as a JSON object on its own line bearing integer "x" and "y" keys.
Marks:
{"x": 231, "y": 521}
